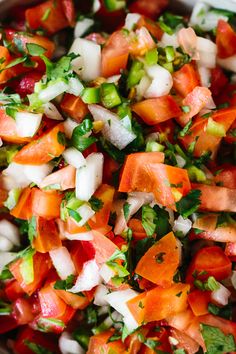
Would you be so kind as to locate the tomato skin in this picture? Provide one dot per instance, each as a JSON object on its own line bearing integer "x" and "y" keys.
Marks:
{"x": 157, "y": 110}
{"x": 74, "y": 107}
{"x": 7, "y": 323}
{"x": 218, "y": 81}
{"x": 22, "y": 311}
{"x": 13, "y": 290}
{"x": 46, "y": 203}
{"x": 198, "y": 301}
{"x": 100, "y": 343}
{"x": 185, "y": 79}
{"x": 148, "y": 8}
{"x": 25, "y": 86}
{"x": 65, "y": 178}
{"x": 225, "y": 39}
{"x": 42, "y": 150}
{"x": 226, "y": 177}
{"x": 23, "y": 209}
{"x": 184, "y": 341}
{"x": 230, "y": 250}
{"x": 160, "y": 271}
{"x": 211, "y": 260}
{"x": 51, "y": 304}
{"x": 47, "y": 236}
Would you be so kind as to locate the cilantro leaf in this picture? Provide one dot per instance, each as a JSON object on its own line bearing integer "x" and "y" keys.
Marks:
{"x": 78, "y": 139}
{"x": 74, "y": 214}
{"x": 61, "y": 138}
{"x": 149, "y": 220}
{"x": 36, "y": 348}
{"x": 216, "y": 341}
{"x": 32, "y": 229}
{"x": 96, "y": 204}
{"x": 35, "y": 49}
{"x": 185, "y": 130}
{"x": 189, "y": 204}
{"x": 162, "y": 221}
{"x": 65, "y": 284}
{"x": 126, "y": 208}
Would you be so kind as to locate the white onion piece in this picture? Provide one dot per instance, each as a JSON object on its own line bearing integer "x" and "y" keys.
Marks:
{"x": 62, "y": 261}
{"x": 88, "y": 64}
{"x": 228, "y": 63}
{"x": 82, "y": 27}
{"x": 74, "y": 157}
{"x": 180, "y": 161}
{"x": 86, "y": 213}
{"x": 68, "y": 345}
{"x": 10, "y": 231}
{"x": 205, "y": 76}
{"x": 131, "y": 20}
{"x": 229, "y": 5}
{"x": 99, "y": 294}
{"x": 16, "y": 173}
{"x": 75, "y": 86}
{"x": 81, "y": 236}
{"x": 69, "y": 126}
{"x": 162, "y": 81}
{"x": 210, "y": 104}
{"x": 1, "y": 142}
{"x": 88, "y": 278}
{"x": 106, "y": 273}
{"x": 169, "y": 40}
{"x": 51, "y": 111}
{"x": 142, "y": 87}
{"x": 114, "y": 78}
{"x": 89, "y": 178}
{"x": 113, "y": 129}
{"x": 221, "y": 295}
{"x": 36, "y": 174}
{"x": 199, "y": 12}
{"x": 118, "y": 299}
{"x": 207, "y": 51}
{"x": 5, "y": 244}
{"x": 204, "y": 18}
{"x": 27, "y": 123}
{"x": 183, "y": 225}
{"x": 5, "y": 258}
{"x": 96, "y": 6}
{"x": 53, "y": 90}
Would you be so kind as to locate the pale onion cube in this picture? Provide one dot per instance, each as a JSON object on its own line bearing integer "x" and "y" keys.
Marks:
{"x": 74, "y": 157}
{"x": 27, "y": 124}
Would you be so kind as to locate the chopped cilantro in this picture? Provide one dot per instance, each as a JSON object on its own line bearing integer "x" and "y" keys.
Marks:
{"x": 96, "y": 204}
{"x": 65, "y": 284}
{"x": 216, "y": 341}
{"x": 189, "y": 204}
{"x": 160, "y": 257}
{"x": 185, "y": 130}
{"x": 61, "y": 138}
{"x": 35, "y": 49}
{"x": 126, "y": 209}
{"x": 36, "y": 348}
{"x": 32, "y": 229}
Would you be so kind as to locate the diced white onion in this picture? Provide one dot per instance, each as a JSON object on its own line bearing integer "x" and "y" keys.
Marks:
{"x": 51, "y": 111}
{"x": 16, "y": 174}
{"x": 229, "y": 5}
{"x": 89, "y": 178}
{"x": 180, "y": 161}
{"x": 81, "y": 236}
{"x": 173, "y": 341}
{"x": 113, "y": 129}
{"x": 68, "y": 345}
{"x": 221, "y": 295}
{"x": 1, "y": 142}
{"x": 74, "y": 157}
{"x": 207, "y": 52}
{"x": 10, "y": 231}
{"x": 69, "y": 126}
{"x": 86, "y": 213}
{"x": 5, "y": 258}
{"x": 5, "y": 244}
{"x": 228, "y": 63}
{"x": 205, "y": 76}
{"x": 198, "y": 14}
{"x": 162, "y": 81}
{"x": 204, "y": 18}
{"x": 99, "y": 294}
{"x": 88, "y": 278}
{"x": 118, "y": 299}
{"x": 106, "y": 273}
{"x": 114, "y": 78}
{"x": 82, "y": 27}
{"x": 169, "y": 40}
{"x": 131, "y": 20}
{"x": 88, "y": 64}
{"x": 53, "y": 90}
{"x": 96, "y": 6}
{"x": 62, "y": 261}
{"x": 75, "y": 86}
{"x": 183, "y": 225}
{"x": 27, "y": 123}
{"x": 142, "y": 87}
{"x": 36, "y": 174}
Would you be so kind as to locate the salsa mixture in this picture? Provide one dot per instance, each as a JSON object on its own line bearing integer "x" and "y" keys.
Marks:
{"x": 118, "y": 178}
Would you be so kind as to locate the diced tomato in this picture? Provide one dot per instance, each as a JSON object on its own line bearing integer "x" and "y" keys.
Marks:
{"x": 109, "y": 168}
{"x": 228, "y": 95}
{"x": 7, "y": 323}
{"x": 41, "y": 265}
{"x": 13, "y": 290}
{"x": 184, "y": 341}
{"x": 230, "y": 136}
{"x": 215, "y": 198}
{"x": 23, "y": 208}
{"x": 46, "y": 203}
{"x": 212, "y": 261}
{"x": 49, "y": 15}
{"x": 134, "y": 175}
{"x": 181, "y": 320}
{"x": 218, "y": 81}
{"x": 111, "y": 20}
{"x": 159, "y": 337}
{"x": 42, "y": 150}
{"x": 195, "y": 101}
{"x": 166, "y": 130}
{"x": 100, "y": 342}
{"x": 51, "y": 304}
{"x": 63, "y": 178}
{"x": 230, "y": 250}
{"x": 226, "y": 326}
{"x": 80, "y": 253}
{"x": 226, "y": 176}
{"x": 69, "y": 11}
{"x": 137, "y": 228}
{"x": 47, "y": 236}
{"x": 77, "y": 301}
{"x": 105, "y": 193}
{"x": 8, "y": 130}
{"x": 6, "y": 74}
{"x": 198, "y": 301}
{"x": 148, "y": 8}
{"x": 141, "y": 42}
{"x": 115, "y": 54}
{"x": 3, "y": 197}
{"x": 225, "y": 39}
{"x": 151, "y": 26}
{"x": 157, "y": 110}
{"x": 104, "y": 248}
{"x": 25, "y": 86}
{"x": 185, "y": 79}
{"x": 44, "y": 340}
{"x": 22, "y": 311}
{"x": 160, "y": 262}
{"x": 74, "y": 107}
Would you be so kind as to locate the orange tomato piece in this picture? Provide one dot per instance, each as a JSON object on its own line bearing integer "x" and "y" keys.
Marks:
{"x": 8, "y": 130}
{"x": 3, "y": 196}
{"x": 77, "y": 301}
{"x": 198, "y": 301}
{"x": 46, "y": 203}
{"x": 185, "y": 79}
{"x": 141, "y": 42}
{"x": 137, "y": 306}
{"x": 23, "y": 208}
{"x": 157, "y": 110}
{"x": 42, "y": 150}
{"x": 99, "y": 343}
{"x": 137, "y": 228}
{"x": 47, "y": 236}
{"x": 225, "y": 39}
{"x": 51, "y": 304}
{"x": 161, "y": 261}
{"x": 74, "y": 107}
{"x": 64, "y": 178}
{"x": 151, "y": 26}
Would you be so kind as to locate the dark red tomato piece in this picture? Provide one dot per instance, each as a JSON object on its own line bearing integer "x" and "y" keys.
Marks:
{"x": 110, "y": 20}
{"x": 186, "y": 79}
{"x": 226, "y": 176}
{"x": 218, "y": 81}
{"x": 22, "y": 311}
{"x": 211, "y": 260}
{"x": 7, "y": 323}
{"x": 148, "y": 8}
{"x": 225, "y": 39}
{"x": 25, "y": 85}
{"x": 69, "y": 11}
{"x": 13, "y": 290}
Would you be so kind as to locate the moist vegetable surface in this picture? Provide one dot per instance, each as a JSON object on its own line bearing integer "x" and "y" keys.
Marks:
{"x": 118, "y": 178}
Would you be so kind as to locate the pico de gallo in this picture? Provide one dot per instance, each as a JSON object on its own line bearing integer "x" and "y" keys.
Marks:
{"x": 118, "y": 178}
